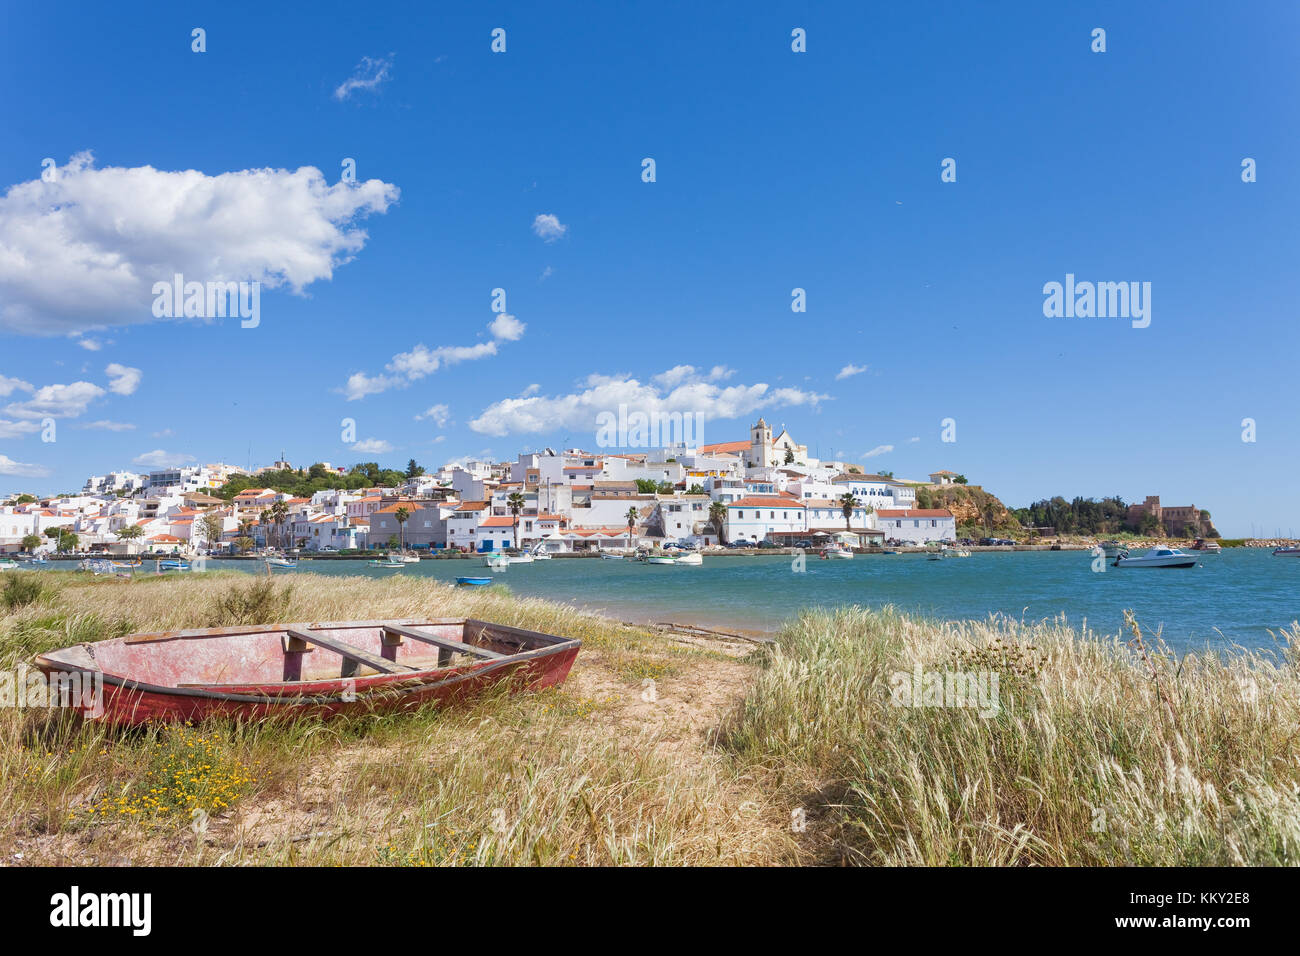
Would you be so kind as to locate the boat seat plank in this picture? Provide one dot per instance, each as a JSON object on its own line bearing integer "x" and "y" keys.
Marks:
{"x": 350, "y": 651}
{"x": 444, "y": 643}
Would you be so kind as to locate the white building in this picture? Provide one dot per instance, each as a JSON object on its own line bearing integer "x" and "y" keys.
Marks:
{"x": 917, "y": 525}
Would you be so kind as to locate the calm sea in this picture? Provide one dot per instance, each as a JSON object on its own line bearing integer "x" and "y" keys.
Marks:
{"x": 1235, "y": 597}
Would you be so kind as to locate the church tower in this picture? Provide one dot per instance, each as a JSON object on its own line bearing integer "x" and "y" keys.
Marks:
{"x": 760, "y": 443}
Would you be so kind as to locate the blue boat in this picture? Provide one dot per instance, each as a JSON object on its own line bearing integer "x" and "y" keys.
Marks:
{"x": 173, "y": 565}
{"x": 473, "y": 582}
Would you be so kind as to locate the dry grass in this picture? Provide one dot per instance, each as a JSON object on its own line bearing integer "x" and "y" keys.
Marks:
{"x": 1102, "y": 751}
{"x": 592, "y": 773}
{"x": 664, "y": 752}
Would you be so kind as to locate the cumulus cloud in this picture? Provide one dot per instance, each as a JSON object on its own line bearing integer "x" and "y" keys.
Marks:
{"x": 9, "y": 385}
{"x": 549, "y": 227}
{"x": 162, "y": 459}
{"x": 680, "y": 374}
{"x": 850, "y": 370}
{"x": 602, "y": 393}
{"x": 85, "y": 250}
{"x": 878, "y": 450}
{"x": 368, "y": 75}
{"x": 56, "y": 401}
{"x": 914, "y": 439}
{"x": 90, "y": 345}
{"x": 21, "y": 469}
{"x": 12, "y": 429}
{"x": 372, "y": 446}
{"x": 122, "y": 379}
{"x": 438, "y": 414}
{"x": 408, "y": 367}
{"x": 506, "y": 328}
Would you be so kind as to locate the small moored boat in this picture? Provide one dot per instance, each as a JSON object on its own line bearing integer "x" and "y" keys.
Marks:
{"x": 497, "y": 562}
{"x": 844, "y": 554}
{"x": 1291, "y": 551}
{"x": 281, "y": 564}
{"x": 386, "y": 564}
{"x": 316, "y": 670}
{"x": 1158, "y": 558}
{"x": 690, "y": 558}
{"x": 7, "y": 565}
{"x": 473, "y": 582}
{"x": 1206, "y": 546}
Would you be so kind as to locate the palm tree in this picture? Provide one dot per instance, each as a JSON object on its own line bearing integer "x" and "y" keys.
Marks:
{"x": 279, "y": 514}
{"x": 847, "y": 504}
{"x": 129, "y": 532}
{"x": 402, "y": 516}
{"x": 632, "y": 515}
{"x": 515, "y": 502}
{"x": 264, "y": 522}
{"x": 718, "y": 518}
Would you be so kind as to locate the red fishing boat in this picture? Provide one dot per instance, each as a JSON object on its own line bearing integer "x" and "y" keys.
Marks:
{"x": 319, "y": 669}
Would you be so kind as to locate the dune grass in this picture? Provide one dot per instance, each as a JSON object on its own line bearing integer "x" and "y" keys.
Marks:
{"x": 1101, "y": 750}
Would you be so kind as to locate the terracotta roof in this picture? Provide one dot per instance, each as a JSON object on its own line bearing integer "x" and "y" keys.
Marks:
{"x": 471, "y": 506}
{"x": 943, "y": 472}
{"x": 914, "y": 513}
{"x": 724, "y": 446}
{"x": 497, "y": 521}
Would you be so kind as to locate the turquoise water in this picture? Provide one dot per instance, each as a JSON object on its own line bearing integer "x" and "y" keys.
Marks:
{"x": 1235, "y": 597}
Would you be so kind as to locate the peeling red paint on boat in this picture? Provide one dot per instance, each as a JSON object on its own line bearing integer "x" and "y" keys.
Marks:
{"x": 252, "y": 672}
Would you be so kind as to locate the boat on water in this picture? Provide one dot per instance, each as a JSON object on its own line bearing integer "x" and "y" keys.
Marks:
{"x": 646, "y": 557}
{"x": 385, "y": 563}
{"x": 954, "y": 552}
{"x": 690, "y": 558}
{"x": 540, "y": 555}
{"x": 403, "y": 557}
{"x": 309, "y": 670}
{"x": 173, "y": 564}
{"x": 835, "y": 551}
{"x": 605, "y": 555}
{"x": 1290, "y": 551}
{"x": 497, "y": 562}
{"x": 1111, "y": 549}
{"x": 1206, "y": 546}
{"x": 7, "y": 565}
{"x": 1158, "y": 558}
{"x": 281, "y": 564}
{"x": 520, "y": 558}
{"x": 473, "y": 582}
{"x": 935, "y": 555}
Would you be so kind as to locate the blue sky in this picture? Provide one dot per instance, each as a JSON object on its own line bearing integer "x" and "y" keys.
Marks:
{"x": 775, "y": 170}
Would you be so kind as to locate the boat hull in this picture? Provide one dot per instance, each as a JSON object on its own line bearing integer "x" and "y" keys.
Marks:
{"x": 522, "y": 660}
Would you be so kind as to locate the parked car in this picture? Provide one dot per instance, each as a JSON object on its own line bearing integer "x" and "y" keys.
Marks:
{"x": 803, "y": 544}
{"x": 739, "y": 544}
{"x": 767, "y": 544}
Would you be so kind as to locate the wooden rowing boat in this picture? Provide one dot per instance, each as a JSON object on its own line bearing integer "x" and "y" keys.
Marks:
{"x": 318, "y": 669}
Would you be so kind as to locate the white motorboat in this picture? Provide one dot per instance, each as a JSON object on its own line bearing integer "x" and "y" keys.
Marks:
{"x": 954, "y": 552}
{"x": 497, "y": 562}
{"x": 281, "y": 563}
{"x": 1111, "y": 549}
{"x": 539, "y": 554}
{"x": 844, "y": 554}
{"x": 403, "y": 557}
{"x": 7, "y": 565}
{"x": 520, "y": 559}
{"x": 1158, "y": 558}
{"x": 690, "y": 558}
{"x": 1206, "y": 546}
{"x": 660, "y": 559}
{"x": 611, "y": 557}
{"x": 1288, "y": 552}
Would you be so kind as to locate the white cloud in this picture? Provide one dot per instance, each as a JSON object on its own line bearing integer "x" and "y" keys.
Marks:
{"x": 578, "y": 411}
{"x": 123, "y": 379}
{"x": 878, "y": 450}
{"x": 56, "y": 401}
{"x": 368, "y": 75}
{"x": 11, "y": 429}
{"x": 10, "y": 467}
{"x": 440, "y": 439}
{"x": 680, "y": 374}
{"x": 85, "y": 250}
{"x": 107, "y": 426}
{"x": 507, "y": 328}
{"x": 90, "y": 345}
{"x": 165, "y": 433}
{"x": 914, "y": 439}
{"x": 372, "y": 446}
{"x": 548, "y": 227}
{"x": 9, "y": 385}
{"x": 408, "y": 367}
{"x": 850, "y": 370}
{"x": 162, "y": 459}
{"x": 438, "y": 414}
